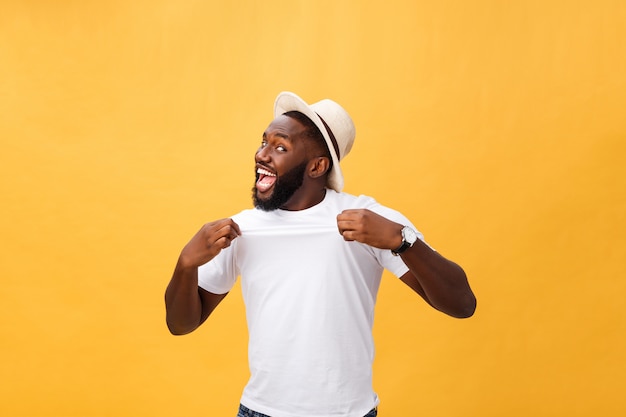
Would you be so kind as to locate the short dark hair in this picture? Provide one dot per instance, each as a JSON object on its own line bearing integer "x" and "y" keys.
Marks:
{"x": 312, "y": 132}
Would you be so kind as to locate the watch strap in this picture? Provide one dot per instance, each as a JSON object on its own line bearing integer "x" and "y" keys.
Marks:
{"x": 404, "y": 246}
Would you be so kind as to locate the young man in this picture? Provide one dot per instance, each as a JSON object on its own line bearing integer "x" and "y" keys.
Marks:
{"x": 310, "y": 258}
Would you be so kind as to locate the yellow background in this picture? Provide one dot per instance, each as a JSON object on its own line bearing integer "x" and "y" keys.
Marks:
{"x": 498, "y": 127}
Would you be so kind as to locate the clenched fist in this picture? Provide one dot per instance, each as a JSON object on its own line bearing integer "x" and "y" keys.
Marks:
{"x": 208, "y": 242}
{"x": 367, "y": 227}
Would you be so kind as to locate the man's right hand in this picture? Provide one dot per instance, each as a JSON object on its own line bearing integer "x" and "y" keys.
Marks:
{"x": 208, "y": 243}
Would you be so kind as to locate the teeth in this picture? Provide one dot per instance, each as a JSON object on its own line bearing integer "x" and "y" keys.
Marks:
{"x": 265, "y": 172}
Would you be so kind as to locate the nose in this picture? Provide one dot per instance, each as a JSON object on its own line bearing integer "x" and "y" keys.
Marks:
{"x": 262, "y": 154}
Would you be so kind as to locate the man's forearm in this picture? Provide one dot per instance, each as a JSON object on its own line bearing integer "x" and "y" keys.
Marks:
{"x": 182, "y": 302}
{"x": 444, "y": 282}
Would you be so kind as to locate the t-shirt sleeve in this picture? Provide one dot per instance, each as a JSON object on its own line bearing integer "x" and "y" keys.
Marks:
{"x": 219, "y": 274}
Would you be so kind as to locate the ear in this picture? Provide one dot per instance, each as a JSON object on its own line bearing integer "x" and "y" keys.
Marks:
{"x": 318, "y": 166}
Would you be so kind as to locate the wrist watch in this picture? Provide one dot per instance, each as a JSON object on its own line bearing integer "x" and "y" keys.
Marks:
{"x": 409, "y": 236}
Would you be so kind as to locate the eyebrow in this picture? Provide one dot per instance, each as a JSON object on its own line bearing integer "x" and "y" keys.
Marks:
{"x": 281, "y": 135}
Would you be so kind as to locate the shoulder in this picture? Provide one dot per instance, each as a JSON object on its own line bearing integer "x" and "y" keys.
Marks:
{"x": 245, "y": 214}
{"x": 251, "y": 217}
{"x": 347, "y": 201}
{"x": 370, "y": 203}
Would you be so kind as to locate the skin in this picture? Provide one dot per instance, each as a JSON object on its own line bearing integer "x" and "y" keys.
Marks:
{"x": 439, "y": 281}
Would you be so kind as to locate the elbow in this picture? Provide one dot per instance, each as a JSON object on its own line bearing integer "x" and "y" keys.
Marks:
{"x": 459, "y": 307}
{"x": 465, "y": 314}
{"x": 180, "y": 329}
{"x": 466, "y": 309}
{"x": 465, "y": 305}
{"x": 177, "y": 332}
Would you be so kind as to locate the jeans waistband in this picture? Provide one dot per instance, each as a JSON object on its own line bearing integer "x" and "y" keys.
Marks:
{"x": 246, "y": 412}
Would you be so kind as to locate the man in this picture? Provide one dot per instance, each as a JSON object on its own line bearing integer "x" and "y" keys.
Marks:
{"x": 310, "y": 260}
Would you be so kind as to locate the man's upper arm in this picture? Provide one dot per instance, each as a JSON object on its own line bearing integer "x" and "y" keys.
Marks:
{"x": 409, "y": 279}
{"x": 209, "y": 302}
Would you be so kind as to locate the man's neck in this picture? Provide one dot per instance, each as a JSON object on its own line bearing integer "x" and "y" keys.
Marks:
{"x": 304, "y": 200}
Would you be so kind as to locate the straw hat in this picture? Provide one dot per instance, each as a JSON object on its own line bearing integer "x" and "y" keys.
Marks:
{"x": 334, "y": 123}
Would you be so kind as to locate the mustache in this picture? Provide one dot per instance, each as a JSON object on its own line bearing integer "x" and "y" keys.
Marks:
{"x": 264, "y": 165}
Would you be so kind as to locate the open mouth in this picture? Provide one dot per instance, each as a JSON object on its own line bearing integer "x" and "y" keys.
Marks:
{"x": 265, "y": 180}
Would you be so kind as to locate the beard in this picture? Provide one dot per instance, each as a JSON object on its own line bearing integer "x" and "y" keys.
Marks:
{"x": 284, "y": 188}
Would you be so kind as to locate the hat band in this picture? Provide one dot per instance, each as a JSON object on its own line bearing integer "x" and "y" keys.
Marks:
{"x": 332, "y": 137}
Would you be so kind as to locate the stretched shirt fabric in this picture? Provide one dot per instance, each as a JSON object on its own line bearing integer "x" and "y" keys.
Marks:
{"x": 309, "y": 298}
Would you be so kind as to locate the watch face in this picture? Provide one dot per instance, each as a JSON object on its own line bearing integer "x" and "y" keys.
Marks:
{"x": 409, "y": 235}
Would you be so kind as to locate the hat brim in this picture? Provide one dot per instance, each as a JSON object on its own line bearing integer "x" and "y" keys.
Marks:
{"x": 287, "y": 101}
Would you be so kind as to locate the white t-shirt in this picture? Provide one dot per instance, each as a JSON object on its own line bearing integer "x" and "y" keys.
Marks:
{"x": 309, "y": 299}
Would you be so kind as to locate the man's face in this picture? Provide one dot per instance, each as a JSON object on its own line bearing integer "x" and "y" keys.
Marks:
{"x": 280, "y": 164}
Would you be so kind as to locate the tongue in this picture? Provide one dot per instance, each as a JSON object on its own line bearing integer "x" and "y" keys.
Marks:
{"x": 265, "y": 182}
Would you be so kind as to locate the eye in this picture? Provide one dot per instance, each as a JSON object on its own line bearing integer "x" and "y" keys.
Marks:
{"x": 275, "y": 145}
